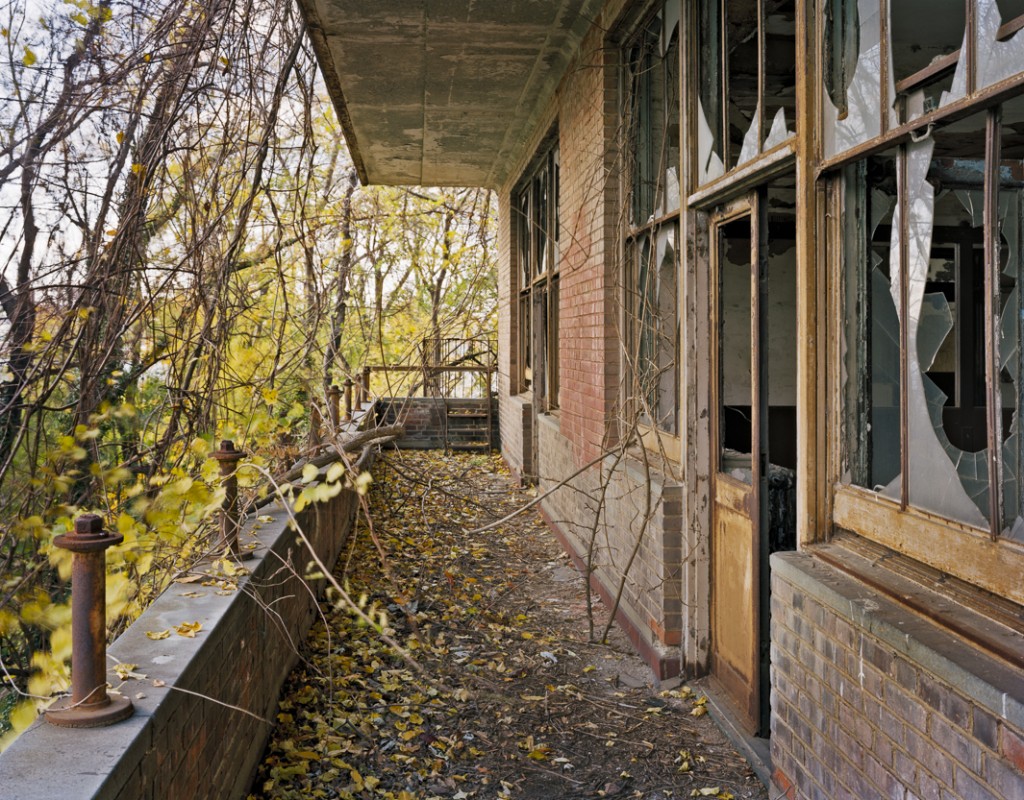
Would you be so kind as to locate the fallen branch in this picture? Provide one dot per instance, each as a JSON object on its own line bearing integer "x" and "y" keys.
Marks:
{"x": 388, "y": 433}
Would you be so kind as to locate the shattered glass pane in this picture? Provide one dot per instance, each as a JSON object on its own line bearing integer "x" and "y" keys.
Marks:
{"x": 709, "y": 161}
{"x": 710, "y": 136}
{"x": 667, "y": 356}
{"x": 871, "y": 392}
{"x": 942, "y": 477}
{"x": 779, "y": 131}
{"x": 741, "y": 89}
{"x": 750, "y": 148}
{"x": 779, "y": 79}
{"x": 858, "y": 117}
{"x": 924, "y": 52}
{"x": 1011, "y": 318}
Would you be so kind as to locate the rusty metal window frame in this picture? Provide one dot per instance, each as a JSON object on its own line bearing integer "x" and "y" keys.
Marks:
{"x": 651, "y": 90}
{"x": 771, "y": 153}
{"x": 955, "y": 547}
{"x": 535, "y": 204}
{"x": 894, "y": 126}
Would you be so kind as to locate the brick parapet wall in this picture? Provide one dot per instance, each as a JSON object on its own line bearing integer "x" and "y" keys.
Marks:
{"x": 425, "y": 420}
{"x": 650, "y": 610}
{"x": 185, "y": 739}
{"x": 870, "y": 700}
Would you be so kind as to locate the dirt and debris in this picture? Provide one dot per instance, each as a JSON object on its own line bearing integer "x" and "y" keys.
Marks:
{"x": 513, "y": 700}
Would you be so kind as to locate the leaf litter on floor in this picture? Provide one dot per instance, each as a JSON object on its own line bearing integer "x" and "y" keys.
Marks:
{"x": 518, "y": 702}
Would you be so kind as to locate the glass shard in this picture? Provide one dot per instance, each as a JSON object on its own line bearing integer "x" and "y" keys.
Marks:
{"x": 862, "y": 119}
{"x": 709, "y": 162}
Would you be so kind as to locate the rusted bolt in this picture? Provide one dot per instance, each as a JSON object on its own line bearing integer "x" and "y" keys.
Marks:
{"x": 89, "y": 706}
{"x": 348, "y": 399}
{"x": 228, "y": 457}
{"x": 365, "y": 390}
{"x": 334, "y": 398}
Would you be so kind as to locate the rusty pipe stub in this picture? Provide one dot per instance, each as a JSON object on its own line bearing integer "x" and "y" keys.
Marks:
{"x": 228, "y": 455}
{"x": 89, "y": 705}
{"x": 348, "y": 399}
{"x": 230, "y": 519}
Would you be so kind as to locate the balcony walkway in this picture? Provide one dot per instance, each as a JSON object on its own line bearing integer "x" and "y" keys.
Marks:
{"x": 502, "y": 694}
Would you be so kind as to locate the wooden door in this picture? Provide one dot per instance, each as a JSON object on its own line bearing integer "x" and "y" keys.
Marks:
{"x": 739, "y": 430}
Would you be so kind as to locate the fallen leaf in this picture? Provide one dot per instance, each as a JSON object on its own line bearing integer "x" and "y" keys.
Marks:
{"x": 188, "y": 629}
{"x": 157, "y": 635}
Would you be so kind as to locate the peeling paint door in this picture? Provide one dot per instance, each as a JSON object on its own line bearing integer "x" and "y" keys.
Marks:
{"x": 739, "y": 436}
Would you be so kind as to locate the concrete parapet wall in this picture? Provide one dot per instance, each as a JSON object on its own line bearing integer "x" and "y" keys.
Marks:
{"x": 201, "y": 733}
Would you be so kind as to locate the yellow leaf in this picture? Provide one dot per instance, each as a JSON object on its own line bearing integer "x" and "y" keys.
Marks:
{"x": 309, "y": 473}
{"x": 29, "y": 58}
{"x": 23, "y": 715}
{"x": 120, "y": 137}
{"x": 157, "y": 635}
{"x": 309, "y": 755}
{"x": 188, "y": 629}
{"x": 125, "y": 671}
{"x": 335, "y": 471}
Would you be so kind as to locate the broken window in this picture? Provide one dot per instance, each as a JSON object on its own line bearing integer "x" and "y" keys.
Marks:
{"x": 746, "y": 82}
{"x": 652, "y": 145}
{"x": 536, "y": 205}
{"x": 872, "y": 81}
{"x": 933, "y": 330}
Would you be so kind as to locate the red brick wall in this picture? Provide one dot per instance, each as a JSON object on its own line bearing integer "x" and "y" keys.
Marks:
{"x": 590, "y": 263}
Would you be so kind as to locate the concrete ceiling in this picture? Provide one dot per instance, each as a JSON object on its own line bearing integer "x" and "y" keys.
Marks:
{"x": 442, "y": 92}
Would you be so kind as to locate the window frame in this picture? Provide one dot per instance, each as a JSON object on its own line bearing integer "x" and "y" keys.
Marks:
{"x": 536, "y": 209}
{"x": 768, "y": 158}
{"x": 644, "y": 190}
{"x": 980, "y": 556}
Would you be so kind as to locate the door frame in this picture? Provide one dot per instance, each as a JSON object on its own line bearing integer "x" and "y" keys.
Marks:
{"x": 729, "y": 496}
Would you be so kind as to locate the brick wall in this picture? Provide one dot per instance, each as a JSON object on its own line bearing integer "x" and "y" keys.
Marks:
{"x": 426, "y": 420}
{"x": 871, "y": 701}
{"x": 590, "y": 264}
{"x": 185, "y": 739}
{"x": 517, "y": 436}
{"x": 648, "y": 556}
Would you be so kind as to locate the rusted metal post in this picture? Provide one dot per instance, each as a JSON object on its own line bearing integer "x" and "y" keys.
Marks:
{"x": 348, "y": 399}
{"x": 333, "y": 400}
{"x": 366, "y": 385}
{"x": 228, "y": 457}
{"x": 315, "y": 421}
{"x": 89, "y": 706}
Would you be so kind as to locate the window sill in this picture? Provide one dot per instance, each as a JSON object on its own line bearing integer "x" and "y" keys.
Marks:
{"x": 876, "y": 599}
{"x": 961, "y": 550}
